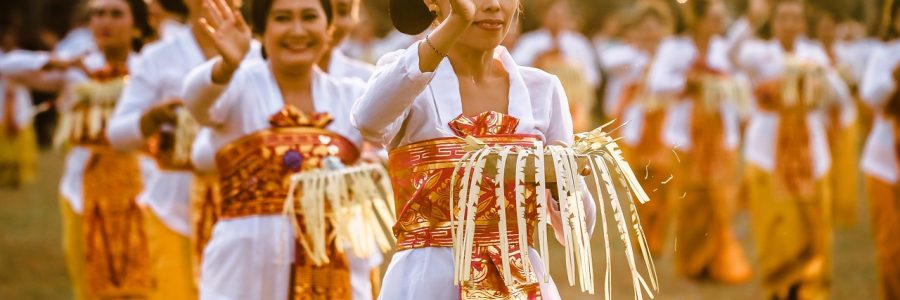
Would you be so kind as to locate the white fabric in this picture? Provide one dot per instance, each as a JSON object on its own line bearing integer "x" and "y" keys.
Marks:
{"x": 342, "y": 66}
{"x": 249, "y": 257}
{"x": 765, "y": 60}
{"x": 372, "y": 51}
{"x": 157, "y": 79}
{"x": 668, "y": 76}
{"x": 23, "y": 112}
{"x": 572, "y": 44}
{"x": 77, "y": 42}
{"x": 879, "y": 156}
{"x": 623, "y": 65}
{"x": 430, "y": 278}
{"x": 400, "y": 93}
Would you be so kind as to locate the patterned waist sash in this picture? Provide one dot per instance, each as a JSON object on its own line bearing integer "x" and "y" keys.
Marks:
{"x": 421, "y": 174}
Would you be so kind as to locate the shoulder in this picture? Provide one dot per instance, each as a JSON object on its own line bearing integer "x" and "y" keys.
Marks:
{"x": 539, "y": 81}
{"x": 813, "y": 50}
{"x": 346, "y": 88}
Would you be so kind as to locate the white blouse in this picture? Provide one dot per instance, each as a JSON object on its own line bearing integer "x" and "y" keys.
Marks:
{"x": 250, "y": 257}
{"x": 402, "y": 98}
{"x": 668, "y": 75}
{"x": 765, "y": 60}
{"x": 879, "y": 156}
{"x": 24, "y": 109}
{"x": 573, "y": 45}
{"x": 156, "y": 79}
{"x": 623, "y": 65}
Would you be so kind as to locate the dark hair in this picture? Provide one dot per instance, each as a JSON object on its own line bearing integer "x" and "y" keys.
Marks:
{"x": 888, "y": 31}
{"x": 260, "y": 13}
{"x": 174, "y": 6}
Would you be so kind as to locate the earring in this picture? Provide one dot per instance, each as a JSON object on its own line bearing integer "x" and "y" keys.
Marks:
{"x": 433, "y": 8}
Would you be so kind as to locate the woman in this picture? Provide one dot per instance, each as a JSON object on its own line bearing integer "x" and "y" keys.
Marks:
{"x": 788, "y": 160}
{"x": 151, "y": 111}
{"x": 882, "y": 152}
{"x": 704, "y": 127}
{"x": 454, "y": 83}
{"x": 18, "y": 146}
{"x": 268, "y": 119}
{"x": 103, "y": 236}
{"x": 647, "y": 26}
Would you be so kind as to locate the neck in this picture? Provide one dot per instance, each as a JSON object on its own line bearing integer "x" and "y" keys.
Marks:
{"x": 325, "y": 61}
{"x": 702, "y": 38}
{"x": 468, "y": 62}
{"x": 827, "y": 42}
{"x": 116, "y": 55}
{"x": 787, "y": 44}
{"x": 293, "y": 79}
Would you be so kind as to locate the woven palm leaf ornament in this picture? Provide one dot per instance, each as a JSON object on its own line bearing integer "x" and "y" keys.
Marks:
{"x": 593, "y": 166}
{"x": 356, "y": 201}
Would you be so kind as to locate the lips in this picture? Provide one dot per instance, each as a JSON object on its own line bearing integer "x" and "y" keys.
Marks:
{"x": 489, "y": 24}
{"x": 298, "y": 45}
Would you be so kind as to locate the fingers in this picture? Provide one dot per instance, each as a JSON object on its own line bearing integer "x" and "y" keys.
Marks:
{"x": 212, "y": 14}
{"x": 226, "y": 10}
{"x": 208, "y": 29}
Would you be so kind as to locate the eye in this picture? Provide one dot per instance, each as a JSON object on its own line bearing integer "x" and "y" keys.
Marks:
{"x": 281, "y": 17}
{"x": 310, "y": 15}
{"x": 116, "y": 13}
{"x": 97, "y": 12}
{"x": 342, "y": 9}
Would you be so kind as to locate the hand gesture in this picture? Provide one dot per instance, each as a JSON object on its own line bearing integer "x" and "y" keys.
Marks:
{"x": 227, "y": 29}
{"x": 463, "y": 9}
{"x": 154, "y": 119}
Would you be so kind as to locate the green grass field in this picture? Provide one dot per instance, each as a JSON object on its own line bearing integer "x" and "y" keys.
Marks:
{"x": 32, "y": 265}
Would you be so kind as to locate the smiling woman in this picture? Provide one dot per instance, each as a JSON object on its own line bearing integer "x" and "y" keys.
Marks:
{"x": 270, "y": 120}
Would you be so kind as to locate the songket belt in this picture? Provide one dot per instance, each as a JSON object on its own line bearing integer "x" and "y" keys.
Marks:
{"x": 421, "y": 174}
{"x": 254, "y": 170}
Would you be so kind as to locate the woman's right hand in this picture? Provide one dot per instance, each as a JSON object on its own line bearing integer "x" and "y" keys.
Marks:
{"x": 463, "y": 9}
{"x": 229, "y": 32}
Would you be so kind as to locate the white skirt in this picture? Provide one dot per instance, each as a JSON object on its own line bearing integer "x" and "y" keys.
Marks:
{"x": 250, "y": 258}
{"x": 427, "y": 273}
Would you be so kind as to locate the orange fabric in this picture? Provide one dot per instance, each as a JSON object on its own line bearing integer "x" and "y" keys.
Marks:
{"x": 884, "y": 199}
{"x": 421, "y": 175}
{"x": 116, "y": 251}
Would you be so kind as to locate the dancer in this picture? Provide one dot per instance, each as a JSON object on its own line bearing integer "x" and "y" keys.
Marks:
{"x": 882, "y": 151}
{"x": 268, "y": 119}
{"x": 151, "y": 111}
{"x": 704, "y": 127}
{"x": 103, "y": 233}
{"x": 787, "y": 155}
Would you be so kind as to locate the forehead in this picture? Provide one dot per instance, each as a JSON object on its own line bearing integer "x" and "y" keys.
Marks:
{"x": 295, "y": 4}
{"x": 100, "y": 4}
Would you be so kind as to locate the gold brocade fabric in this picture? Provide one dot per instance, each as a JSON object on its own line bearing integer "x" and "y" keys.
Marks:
{"x": 18, "y": 146}
{"x": 421, "y": 175}
{"x": 254, "y": 180}
{"x": 117, "y": 263}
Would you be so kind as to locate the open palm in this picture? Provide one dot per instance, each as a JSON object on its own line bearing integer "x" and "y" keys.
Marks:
{"x": 227, "y": 29}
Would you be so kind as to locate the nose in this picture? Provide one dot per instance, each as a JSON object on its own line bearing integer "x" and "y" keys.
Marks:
{"x": 297, "y": 28}
{"x": 490, "y": 5}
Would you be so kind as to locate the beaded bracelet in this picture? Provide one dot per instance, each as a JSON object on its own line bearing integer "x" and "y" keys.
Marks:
{"x": 433, "y": 48}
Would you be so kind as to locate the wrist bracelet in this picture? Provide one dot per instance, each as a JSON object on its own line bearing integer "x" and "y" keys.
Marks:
{"x": 430, "y": 45}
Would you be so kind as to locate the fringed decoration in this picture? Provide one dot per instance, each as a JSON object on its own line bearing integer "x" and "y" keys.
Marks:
{"x": 594, "y": 164}
{"x": 356, "y": 201}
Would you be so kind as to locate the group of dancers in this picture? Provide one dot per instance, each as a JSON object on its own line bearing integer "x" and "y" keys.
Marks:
{"x": 183, "y": 154}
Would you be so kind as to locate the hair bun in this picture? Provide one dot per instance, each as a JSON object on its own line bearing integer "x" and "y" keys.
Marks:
{"x": 411, "y": 16}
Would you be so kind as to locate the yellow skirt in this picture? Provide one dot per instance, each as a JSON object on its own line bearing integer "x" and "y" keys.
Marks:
{"x": 845, "y": 153}
{"x": 884, "y": 199}
{"x": 73, "y": 248}
{"x": 170, "y": 254}
{"x": 793, "y": 237}
{"x": 18, "y": 157}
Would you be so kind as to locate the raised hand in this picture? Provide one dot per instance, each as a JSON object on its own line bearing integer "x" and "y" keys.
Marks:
{"x": 463, "y": 9}
{"x": 227, "y": 29}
